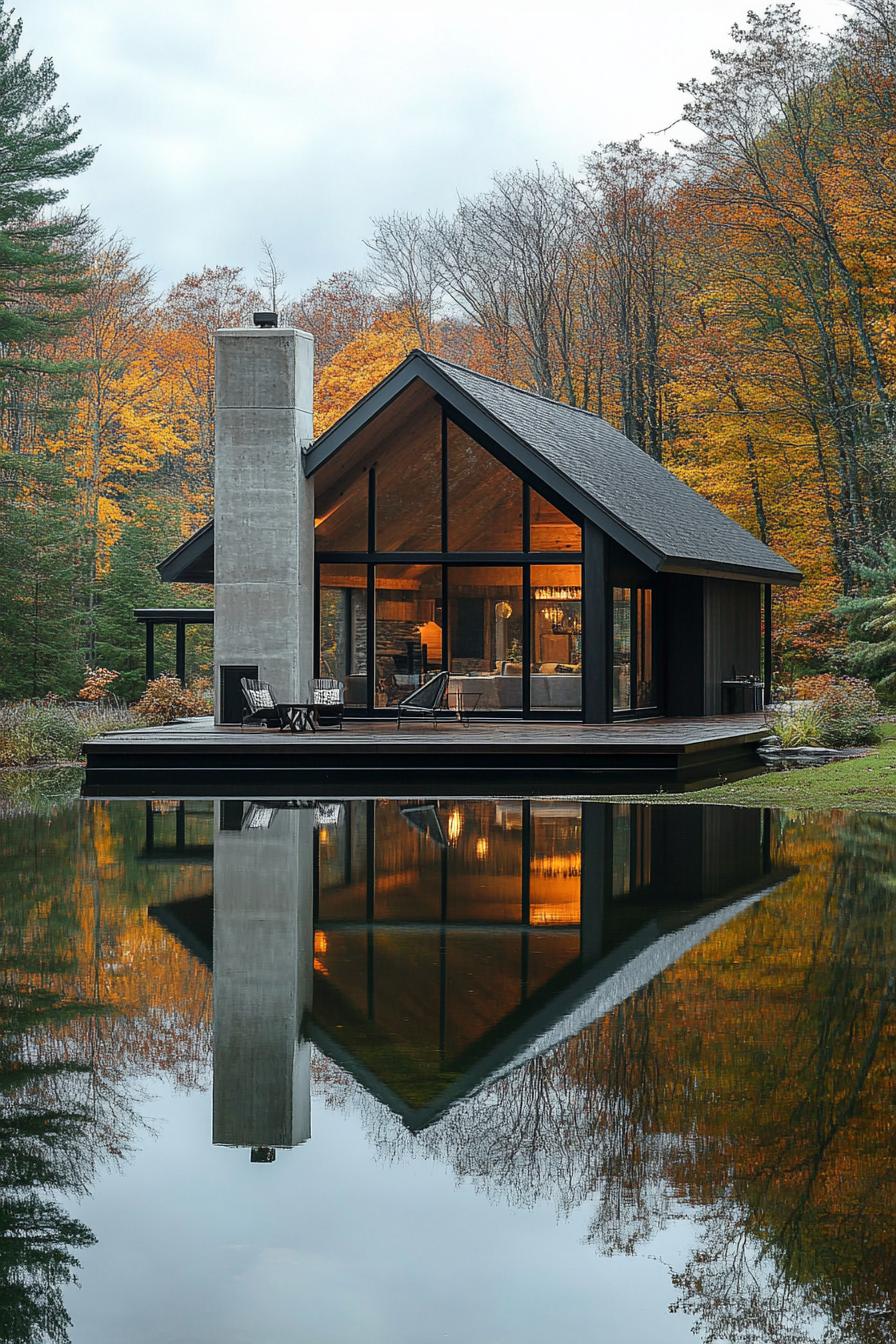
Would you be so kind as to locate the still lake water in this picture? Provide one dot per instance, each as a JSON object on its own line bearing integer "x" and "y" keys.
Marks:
{"x": 529, "y": 1070}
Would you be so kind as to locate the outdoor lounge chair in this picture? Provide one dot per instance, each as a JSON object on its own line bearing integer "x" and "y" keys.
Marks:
{"x": 327, "y": 694}
{"x": 261, "y": 704}
{"x": 427, "y": 699}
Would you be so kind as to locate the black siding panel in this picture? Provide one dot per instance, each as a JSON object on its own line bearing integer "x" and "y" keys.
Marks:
{"x": 682, "y": 634}
{"x": 731, "y": 635}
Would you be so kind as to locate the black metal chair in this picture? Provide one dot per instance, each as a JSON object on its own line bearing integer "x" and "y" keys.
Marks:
{"x": 327, "y": 694}
{"x": 261, "y": 704}
{"x": 426, "y": 700}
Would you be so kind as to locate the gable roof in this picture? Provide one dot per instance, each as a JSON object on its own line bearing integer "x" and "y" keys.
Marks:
{"x": 587, "y": 463}
{"x": 591, "y": 465}
{"x": 193, "y": 559}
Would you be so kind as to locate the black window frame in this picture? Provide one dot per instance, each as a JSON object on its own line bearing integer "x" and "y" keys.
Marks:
{"x": 523, "y": 559}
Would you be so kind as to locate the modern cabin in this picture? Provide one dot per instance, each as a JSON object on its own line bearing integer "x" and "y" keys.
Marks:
{"x": 431, "y": 948}
{"x": 452, "y": 521}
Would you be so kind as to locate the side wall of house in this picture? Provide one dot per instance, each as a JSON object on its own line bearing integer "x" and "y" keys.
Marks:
{"x": 732, "y": 636}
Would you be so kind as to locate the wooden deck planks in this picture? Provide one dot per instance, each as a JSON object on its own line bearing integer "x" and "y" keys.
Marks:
{"x": 508, "y": 739}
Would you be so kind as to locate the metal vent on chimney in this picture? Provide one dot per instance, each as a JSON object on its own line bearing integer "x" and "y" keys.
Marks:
{"x": 264, "y": 319}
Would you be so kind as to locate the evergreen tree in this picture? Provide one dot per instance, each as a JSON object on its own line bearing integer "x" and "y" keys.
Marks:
{"x": 132, "y": 581}
{"x": 40, "y": 645}
{"x": 41, "y": 263}
{"x": 871, "y": 620}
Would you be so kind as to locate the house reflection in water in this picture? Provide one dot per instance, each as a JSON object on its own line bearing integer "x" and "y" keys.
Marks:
{"x": 429, "y": 946}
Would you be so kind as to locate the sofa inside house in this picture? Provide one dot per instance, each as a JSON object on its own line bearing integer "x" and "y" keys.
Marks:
{"x": 551, "y": 687}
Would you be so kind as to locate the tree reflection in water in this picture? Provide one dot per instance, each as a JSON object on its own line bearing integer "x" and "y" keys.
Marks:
{"x": 93, "y": 999}
{"x": 748, "y": 1088}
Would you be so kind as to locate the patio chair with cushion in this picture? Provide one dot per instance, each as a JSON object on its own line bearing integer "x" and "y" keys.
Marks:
{"x": 327, "y": 694}
{"x": 426, "y": 700}
{"x": 261, "y": 704}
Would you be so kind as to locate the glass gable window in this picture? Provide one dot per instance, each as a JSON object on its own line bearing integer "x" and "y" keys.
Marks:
{"x": 340, "y": 521}
{"x": 343, "y": 628}
{"x": 451, "y": 561}
{"x": 549, "y": 529}
{"x": 485, "y": 500}
{"x": 409, "y": 487}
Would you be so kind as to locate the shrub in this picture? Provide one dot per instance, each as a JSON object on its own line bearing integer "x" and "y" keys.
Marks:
{"x": 850, "y": 713}
{"x": 799, "y": 727}
{"x": 97, "y": 683}
{"x": 812, "y": 688}
{"x": 166, "y": 699}
{"x": 37, "y": 733}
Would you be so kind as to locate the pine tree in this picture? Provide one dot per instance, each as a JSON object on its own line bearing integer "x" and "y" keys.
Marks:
{"x": 871, "y": 618}
{"x": 40, "y": 637}
{"x": 132, "y": 581}
{"x": 41, "y": 263}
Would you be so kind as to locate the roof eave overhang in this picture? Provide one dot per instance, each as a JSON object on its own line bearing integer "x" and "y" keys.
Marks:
{"x": 176, "y": 566}
{"x": 481, "y": 425}
{"x": 710, "y": 569}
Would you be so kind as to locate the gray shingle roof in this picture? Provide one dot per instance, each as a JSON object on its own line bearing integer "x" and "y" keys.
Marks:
{"x": 675, "y": 521}
{"x": 588, "y": 462}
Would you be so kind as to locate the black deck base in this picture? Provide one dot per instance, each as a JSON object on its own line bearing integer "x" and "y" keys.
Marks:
{"x": 516, "y": 758}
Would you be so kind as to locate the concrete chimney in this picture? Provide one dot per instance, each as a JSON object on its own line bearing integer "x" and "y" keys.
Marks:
{"x": 264, "y": 514}
{"x": 262, "y": 979}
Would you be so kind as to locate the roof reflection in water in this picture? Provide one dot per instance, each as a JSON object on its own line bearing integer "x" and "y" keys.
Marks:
{"x": 429, "y": 947}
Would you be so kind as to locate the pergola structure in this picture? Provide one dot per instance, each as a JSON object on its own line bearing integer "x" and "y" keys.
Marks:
{"x": 180, "y": 618}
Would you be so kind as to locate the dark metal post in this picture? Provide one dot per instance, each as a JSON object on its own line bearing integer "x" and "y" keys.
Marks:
{"x": 180, "y": 645}
{"x": 595, "y": 627}
{"x": 150, "y": 650}
{"x": 767, "y": 644}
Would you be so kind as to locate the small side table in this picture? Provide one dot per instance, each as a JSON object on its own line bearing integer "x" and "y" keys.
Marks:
{"x": 298, "y": 717}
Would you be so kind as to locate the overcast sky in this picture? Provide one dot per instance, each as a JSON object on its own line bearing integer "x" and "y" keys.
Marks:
{"x": 222, "y": 120}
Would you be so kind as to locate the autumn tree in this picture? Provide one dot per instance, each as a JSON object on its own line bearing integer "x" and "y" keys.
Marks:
{"x": 122, "y": 431}
{"x": 188, "y": 317}
{"x": 335, "y": 311}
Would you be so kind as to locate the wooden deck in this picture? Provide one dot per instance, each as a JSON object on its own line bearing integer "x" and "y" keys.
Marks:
{"x": 475, "y": 759}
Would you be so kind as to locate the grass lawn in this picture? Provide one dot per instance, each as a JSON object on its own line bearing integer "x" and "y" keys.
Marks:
{"x": 867, "y": 782}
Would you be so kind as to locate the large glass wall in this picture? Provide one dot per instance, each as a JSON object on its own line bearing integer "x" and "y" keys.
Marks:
{"x": 485, "y": 500}
{"x": 485, "y": 624}
{"x": 549, "y": 529}
{"x": 340, "y": 522}
{"x": 408, "y": 626}
{"x": 556, "y": 642}
{"x": 343, "y": 629}
{"x": 404, "y": 533}
{"x": 409, "y": 487}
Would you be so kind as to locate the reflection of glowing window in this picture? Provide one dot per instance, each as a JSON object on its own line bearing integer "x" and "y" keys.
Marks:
{"x": 631, "y": 848}
{"x": 320, "y": 951}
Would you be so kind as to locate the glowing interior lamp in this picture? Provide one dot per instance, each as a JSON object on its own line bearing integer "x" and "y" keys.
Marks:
{"x": 482, "y": 847}
{"x": 455, "y": 825}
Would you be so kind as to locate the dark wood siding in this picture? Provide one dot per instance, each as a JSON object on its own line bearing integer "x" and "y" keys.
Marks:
{"x": 681, "y": 600}
{"x": 731, "y": 640}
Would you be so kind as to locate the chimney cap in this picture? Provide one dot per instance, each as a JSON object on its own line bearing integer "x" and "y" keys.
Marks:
{"x": 264, "y": 319}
